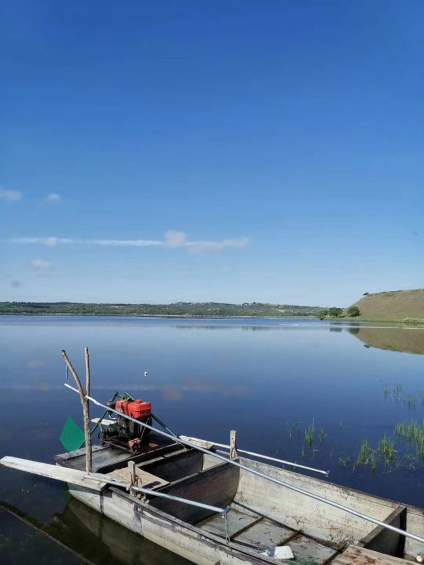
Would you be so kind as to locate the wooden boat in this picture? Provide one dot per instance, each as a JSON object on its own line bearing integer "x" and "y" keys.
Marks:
{"x": 260, "y": 517}
{"x": 207, "y": 507}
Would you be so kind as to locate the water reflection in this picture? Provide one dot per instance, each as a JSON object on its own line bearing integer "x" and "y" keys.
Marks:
{"x": 403, "y": 339}
{"x": 78, "y": 535}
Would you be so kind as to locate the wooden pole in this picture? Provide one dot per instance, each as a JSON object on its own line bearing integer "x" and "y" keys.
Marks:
{"x": 233, "y": 445}
{"x": 85, "y": 406}
{"x": 88, "y": 448}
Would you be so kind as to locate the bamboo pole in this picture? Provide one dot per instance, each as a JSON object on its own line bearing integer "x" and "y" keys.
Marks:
{"x": 84, "y": 397}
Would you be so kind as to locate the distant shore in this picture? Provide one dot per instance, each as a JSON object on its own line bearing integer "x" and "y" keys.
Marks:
{"x": 174, "y": 310}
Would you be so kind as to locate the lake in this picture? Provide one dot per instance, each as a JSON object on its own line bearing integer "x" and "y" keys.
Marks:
{"x": 303, "y": 390}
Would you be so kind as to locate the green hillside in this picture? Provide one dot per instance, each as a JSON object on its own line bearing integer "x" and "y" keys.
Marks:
{"x": 399, "y": 305}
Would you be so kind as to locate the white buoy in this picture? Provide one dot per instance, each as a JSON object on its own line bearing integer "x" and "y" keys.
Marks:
{"x": 145, "y": 373}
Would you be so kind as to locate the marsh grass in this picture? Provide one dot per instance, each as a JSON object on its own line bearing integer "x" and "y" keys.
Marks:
{"x": 345, "y": 461}
{"x": 367, "y": 456}
{"x": 293, "y": 430}
{"x": 310, "y": 435}
{"x": 414, "y": 433}
{"x": 322, "y": 435}
{"x": 386, "y": 449}
{"x": 411, "y": 402}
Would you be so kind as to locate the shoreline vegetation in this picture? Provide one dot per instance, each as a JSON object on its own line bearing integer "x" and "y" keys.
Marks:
{"x": 174, "y": 310}
{"x": 404, "y": 307}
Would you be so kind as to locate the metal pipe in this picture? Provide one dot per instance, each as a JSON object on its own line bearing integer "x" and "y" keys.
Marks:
{"x": 159, "y": 494}
{"x": 266, "y": 477}
{"x": 163, "y": 425}
{"x": 260, "y": 456}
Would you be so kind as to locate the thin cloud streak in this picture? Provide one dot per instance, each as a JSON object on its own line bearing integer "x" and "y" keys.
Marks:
{"x": 10, "y": 195}
{"x": 40, "y": 265}
{"x": 172, "y": 240}
{"x": 52, "y": 198}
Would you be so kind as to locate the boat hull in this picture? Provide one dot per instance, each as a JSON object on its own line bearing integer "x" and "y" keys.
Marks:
{"x": 171, "y": 535}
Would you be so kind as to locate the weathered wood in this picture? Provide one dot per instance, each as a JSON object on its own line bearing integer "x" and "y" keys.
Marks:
{"x": 87, "y": 431}
{"x": 233, "y": 445}
{"x": 93, "y": 481}
{"x": 355, "y": 555}
{"x": 145, "y": 479}
{"x": 78, "y": 478}
{"x": 84, "y": 395}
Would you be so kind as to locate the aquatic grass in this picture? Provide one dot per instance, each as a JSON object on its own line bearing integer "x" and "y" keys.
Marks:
{"x": 322, "y": 435}
{"x": 367, "y": 456}
{"x": 310, "y": 435}
{"x": 387, "y": 450}
{"x": 397, "y": 391}
{"x": 411, "y": 402}
{"x": 413, "y": 433}
{"x": 293, "y": 430}
{"x": 344, "y": 461}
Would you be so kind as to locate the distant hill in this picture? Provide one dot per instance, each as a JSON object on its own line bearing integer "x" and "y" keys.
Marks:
{"x": 177, "y": 309}
{"x": 398, "y": 305}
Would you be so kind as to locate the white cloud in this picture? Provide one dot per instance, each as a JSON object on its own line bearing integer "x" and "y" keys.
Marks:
{"x": 52, "y": 198}
{"x": 205, "y": 246}
{"x": 172, "y": 239}
{"x": 175, "y": 238}
{"x": 10, "y": 195}
{"x": 40, "y": 265}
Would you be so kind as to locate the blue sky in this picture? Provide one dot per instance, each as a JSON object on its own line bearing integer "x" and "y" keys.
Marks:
{"x": 231, "y": 151}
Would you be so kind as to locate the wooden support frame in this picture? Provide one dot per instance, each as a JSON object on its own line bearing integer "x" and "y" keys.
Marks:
{"x": 84, "y": 393}
{"x": 233, "y": 445}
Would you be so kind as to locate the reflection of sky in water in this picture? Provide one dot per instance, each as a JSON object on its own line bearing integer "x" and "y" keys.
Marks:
{"x": 206, "y": 377}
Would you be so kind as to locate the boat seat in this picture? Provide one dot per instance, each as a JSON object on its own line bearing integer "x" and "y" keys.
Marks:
{"x": 147, "y": 480}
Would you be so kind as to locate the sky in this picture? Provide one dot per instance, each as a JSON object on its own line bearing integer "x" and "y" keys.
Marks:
{"x": 230, "y": 151}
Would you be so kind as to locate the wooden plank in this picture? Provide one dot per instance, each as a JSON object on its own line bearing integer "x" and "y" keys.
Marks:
{"x": 361, "y": 556}
{"x": 147, "y": 480}
{"x": 55, "y": 472}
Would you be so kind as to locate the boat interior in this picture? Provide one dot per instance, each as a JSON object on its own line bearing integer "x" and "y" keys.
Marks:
{"x": 261, "y": 515}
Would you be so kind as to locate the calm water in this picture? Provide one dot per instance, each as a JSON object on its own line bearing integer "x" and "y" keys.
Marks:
{"x": 268, "y": 379}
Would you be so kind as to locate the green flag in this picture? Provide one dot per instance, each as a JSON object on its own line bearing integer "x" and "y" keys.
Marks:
{"x": 72, "y": 436}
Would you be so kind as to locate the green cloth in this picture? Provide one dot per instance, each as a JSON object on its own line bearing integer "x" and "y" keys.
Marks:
{"x": 72, "y": 436}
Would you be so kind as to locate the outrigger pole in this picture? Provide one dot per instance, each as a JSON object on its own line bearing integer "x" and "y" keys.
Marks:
{"x": 257, "y": 455}
{"x": 259, "y": 474}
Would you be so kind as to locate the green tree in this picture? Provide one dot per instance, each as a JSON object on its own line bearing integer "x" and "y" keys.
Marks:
{"x": 353, "y": 311}
{"x": 335, "y": 312}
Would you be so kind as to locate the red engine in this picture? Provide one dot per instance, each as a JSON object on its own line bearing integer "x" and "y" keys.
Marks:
{"x": 137, "y": 409}
{"x": 126, "y": 432}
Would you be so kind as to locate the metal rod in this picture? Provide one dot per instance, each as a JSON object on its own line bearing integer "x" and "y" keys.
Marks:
{"x": 160, "y": 494}
{"x": 266, "y": 477}
{"x": 163, "y": 425}
{"x": 260, "y": 456}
